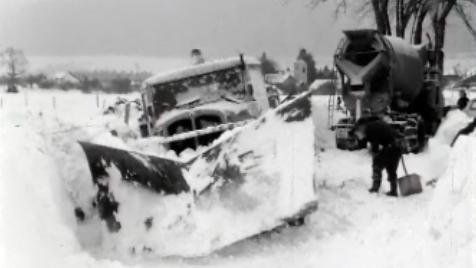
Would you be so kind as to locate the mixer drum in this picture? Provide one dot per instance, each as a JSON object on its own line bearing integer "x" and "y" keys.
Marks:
{"x": 379, "y": 70}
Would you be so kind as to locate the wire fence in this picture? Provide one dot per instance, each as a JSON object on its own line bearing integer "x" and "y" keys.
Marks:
{"x": 86, "y": 106}
{"x": 54, "y": 101}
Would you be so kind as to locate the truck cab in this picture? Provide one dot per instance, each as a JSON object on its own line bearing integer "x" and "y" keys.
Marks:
{"x": 193, "y": 106}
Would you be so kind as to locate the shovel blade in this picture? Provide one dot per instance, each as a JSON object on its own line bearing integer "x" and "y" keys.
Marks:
{"x": 410, "y": 184}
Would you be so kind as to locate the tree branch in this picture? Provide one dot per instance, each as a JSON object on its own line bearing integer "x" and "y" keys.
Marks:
{"x": 447, "y": 6}
{"x": 466, "y": 19}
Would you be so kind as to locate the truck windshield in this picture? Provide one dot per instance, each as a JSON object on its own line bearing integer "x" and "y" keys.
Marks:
{"x": 201, "y": 89}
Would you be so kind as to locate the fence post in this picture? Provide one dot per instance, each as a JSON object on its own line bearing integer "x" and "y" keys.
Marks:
{"x": 127, "y": 113}
{"x": 54, "y": 103}
{"x": 1, "y": 102}
{"x": 97, "y": 100}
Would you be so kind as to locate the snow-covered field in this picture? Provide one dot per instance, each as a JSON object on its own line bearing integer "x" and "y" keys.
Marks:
{"x": 42, "y": 167}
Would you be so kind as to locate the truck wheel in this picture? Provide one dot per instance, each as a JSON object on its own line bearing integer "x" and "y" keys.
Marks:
{"x": 421, "y": 132}
{"x": 341, "y": 144}
{"x": 362, "y": 144}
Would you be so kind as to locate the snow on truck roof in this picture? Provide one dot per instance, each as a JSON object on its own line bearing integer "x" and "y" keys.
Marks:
{"x": 199, "y": 69}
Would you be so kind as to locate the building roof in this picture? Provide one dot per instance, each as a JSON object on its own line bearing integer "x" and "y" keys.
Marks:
{"x": 199, "y": 69}
{"x": 65, "y": 76}
{"x": 279, "y": 78}
{"x": 467, "y": 82}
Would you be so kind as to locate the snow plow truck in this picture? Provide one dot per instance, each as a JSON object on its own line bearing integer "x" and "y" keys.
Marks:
{"x": 386, "y": 77}
{"x": 202, "y": 100}
{"x": 253, "y": 174}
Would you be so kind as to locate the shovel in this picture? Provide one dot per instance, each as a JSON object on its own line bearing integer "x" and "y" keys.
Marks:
{"x": 410, "y": 183}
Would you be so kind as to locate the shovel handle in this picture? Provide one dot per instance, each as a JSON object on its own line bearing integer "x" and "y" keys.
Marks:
{"x": 404, "y": 167}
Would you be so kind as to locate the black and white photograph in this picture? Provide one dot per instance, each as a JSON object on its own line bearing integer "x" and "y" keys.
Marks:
{"x": 238, "y": 133}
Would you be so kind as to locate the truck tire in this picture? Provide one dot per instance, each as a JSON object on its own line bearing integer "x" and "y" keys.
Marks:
{"x": 341, "y": 144}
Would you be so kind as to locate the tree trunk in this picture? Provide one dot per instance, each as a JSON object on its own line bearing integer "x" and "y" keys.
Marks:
{"x": 378, "y": 17}
{"x": 418, "y": 29}
{"x": 388, "y": 27}
{"x": 12, "y": 73}
{"x": 408, "y": 10}
{"x": 440, "y": 30}
{"x": 381, "y": 16}
{"x": 399, "y": 30}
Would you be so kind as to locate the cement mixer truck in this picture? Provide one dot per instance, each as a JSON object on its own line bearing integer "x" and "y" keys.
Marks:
{"x": 386, "y": 77}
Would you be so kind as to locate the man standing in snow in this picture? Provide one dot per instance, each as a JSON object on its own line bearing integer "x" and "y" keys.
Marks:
{"x": 386, "y": 150}
{"x": 463, "y": 100}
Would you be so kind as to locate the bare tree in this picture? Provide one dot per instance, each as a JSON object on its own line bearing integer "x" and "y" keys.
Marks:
{"x": 340, "y": 8}
{"x": 461, "y": 9}
{"x": 404, "y": 11}
{"x": 439, "y": 12}
{"x": 418, "y": 10}
{"x": 15, "y": 62}
{"x": 419, "y": 18}
{"x": 380, "y": 9}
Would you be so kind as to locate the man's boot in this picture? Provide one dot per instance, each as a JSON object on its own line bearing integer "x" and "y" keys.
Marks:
{"x": 393, "y": 189}
{"x": 375, "y": 186}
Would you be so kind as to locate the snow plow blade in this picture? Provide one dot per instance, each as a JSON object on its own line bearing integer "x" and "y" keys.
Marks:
{"x": 160, "y": 174}
{"x": 252, "y": 180}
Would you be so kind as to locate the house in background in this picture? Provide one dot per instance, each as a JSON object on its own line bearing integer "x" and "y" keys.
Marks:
{"x": 285, "y": 82}
{"x": 290, "y": 82}
{"x": 451, "y": 92}
{"x": 301, "y": 72}
{"x": 65, "y": 80}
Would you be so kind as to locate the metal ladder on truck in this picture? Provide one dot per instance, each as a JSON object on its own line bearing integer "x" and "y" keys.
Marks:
{"x": 331, "y": 102}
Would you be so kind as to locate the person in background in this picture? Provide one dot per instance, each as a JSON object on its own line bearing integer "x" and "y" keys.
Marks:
{"x": 465, "y": 131}
{"x": 386, "y": 150}
{"x": 463, "y": 100}
{"x": 339, "y": 104}
{"x": 196, "y": 56}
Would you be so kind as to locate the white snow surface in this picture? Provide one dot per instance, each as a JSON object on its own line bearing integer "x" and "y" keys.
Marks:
{"x": 42, "y": 171}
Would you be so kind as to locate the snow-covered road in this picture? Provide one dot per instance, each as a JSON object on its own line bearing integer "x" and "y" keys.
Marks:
{"x": 41, "y": 165}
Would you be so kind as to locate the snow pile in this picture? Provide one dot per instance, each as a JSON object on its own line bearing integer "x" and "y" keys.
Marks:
{"x": 452, "y": 211}
{"x": 454, "y": 121}
{"x": 44, "y": 174}
{"x": 36, "y": 214}
{"x": 249, "y": 182}
{"x": 325, "y": 137}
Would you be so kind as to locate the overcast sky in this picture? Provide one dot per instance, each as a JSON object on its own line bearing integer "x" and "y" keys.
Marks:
{"x": 172, "y": 27}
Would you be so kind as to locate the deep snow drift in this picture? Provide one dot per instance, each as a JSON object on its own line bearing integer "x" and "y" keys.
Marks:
{"x": 249, "y": 182}
{"x": 42, "y": 169}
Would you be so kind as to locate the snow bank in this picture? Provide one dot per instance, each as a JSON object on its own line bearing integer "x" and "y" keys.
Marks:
{"x": 42, "y": 172}
{"x": 325, "y": 137}
{"x": 249, "y": 183}
{"x": 454, "y": 121}
{"x": 452, "y": 211}
{"x": 36, "y": 214}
